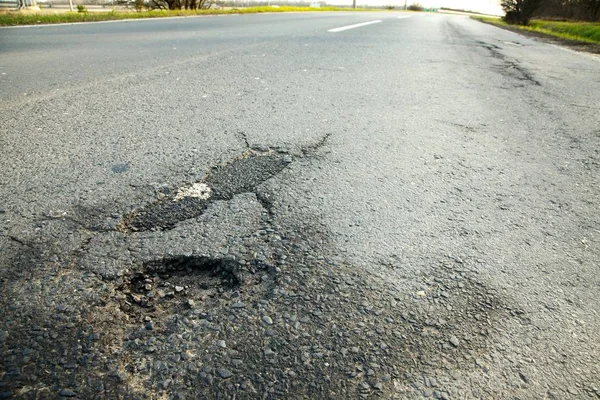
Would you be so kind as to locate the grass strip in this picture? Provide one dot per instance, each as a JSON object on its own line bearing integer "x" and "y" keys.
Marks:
{"x": 584, "y": 32}
{"x": 18, "y": 18}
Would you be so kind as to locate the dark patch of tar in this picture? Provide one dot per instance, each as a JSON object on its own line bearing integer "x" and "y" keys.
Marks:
{"x": 241, "y": 175}
{"x": 164, "y": 215}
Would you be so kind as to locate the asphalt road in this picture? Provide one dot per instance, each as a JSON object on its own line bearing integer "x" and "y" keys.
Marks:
{"x": 268, "y": 206}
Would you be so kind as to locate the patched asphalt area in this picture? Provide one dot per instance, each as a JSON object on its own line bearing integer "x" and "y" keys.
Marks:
{"x": 240, "y": 175}
{"x": 245, "y": 173}
{"x": 272, "y": 314}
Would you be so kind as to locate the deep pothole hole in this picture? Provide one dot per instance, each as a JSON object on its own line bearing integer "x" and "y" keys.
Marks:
{"x": 198, "y": 267}
{"x": 189, "y": 279}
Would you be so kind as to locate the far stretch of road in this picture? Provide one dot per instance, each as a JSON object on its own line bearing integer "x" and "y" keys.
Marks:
{"x": 298, "y": 205}
{"x": 85, "y": 53}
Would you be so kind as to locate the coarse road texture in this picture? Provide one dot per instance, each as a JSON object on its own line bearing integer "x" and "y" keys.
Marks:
{"x": 260, "y": 207}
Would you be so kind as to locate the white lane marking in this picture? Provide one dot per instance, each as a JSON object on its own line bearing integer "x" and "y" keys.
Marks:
{"x": 404, "y": 16}
{"x": 344, "y": 28}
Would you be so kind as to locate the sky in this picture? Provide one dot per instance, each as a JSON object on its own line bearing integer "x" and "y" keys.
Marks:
{"x": 482, "y": 6}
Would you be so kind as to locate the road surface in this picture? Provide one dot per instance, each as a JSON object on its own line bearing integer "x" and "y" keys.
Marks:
{"x": 327, "y": 205}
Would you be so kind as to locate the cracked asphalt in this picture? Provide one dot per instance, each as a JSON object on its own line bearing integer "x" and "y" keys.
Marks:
{"x": 255, "y": 207}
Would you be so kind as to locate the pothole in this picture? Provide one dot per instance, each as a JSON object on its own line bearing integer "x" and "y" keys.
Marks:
{"x": 225, "y": 271}
{"x": 187, "y": 280}
{"x": 241, "y": 175}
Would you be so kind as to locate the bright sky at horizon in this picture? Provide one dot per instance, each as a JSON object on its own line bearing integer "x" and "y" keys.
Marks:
{"x": 482, "y": 6}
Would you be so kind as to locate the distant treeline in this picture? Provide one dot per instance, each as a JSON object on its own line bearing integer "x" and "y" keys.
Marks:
{"x": 582, "y": 10}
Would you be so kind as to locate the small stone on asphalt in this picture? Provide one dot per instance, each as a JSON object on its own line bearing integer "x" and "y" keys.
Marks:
{"x": 67, "y": 393}
{"x": 454, "y": 341}
{"x": 224, "y": 373}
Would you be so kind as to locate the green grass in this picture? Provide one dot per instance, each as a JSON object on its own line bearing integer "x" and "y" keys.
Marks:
{"x": 17, "y": 18}
{"x": 587, "y": 32}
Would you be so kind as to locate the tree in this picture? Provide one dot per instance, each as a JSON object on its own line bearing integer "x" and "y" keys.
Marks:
{"x": 580, "y": 10}
{"x": 519, "y": 11}
{"x": 593, "y": 9}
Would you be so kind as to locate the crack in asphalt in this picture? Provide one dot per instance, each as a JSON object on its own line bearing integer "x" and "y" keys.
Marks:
{"x": 244, "y": 138}
{"x": 312, "y": 148}
{"x": 526, "y": 75}
{"x": 265, "y": 201}
{"x": 19, "y": 241}
{"x": 522, "y": 73}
